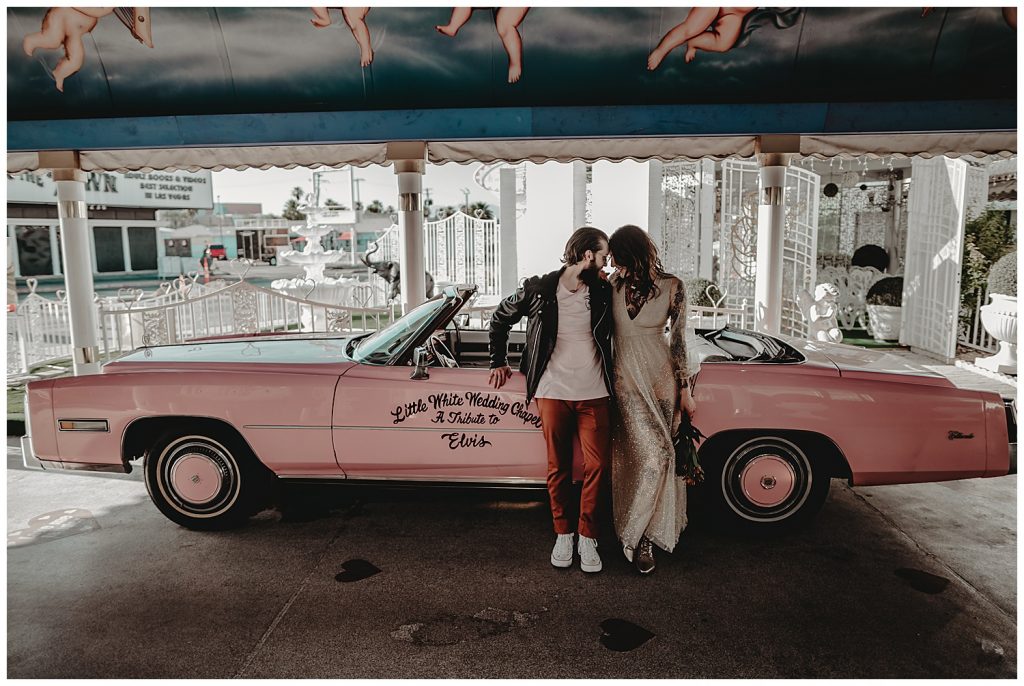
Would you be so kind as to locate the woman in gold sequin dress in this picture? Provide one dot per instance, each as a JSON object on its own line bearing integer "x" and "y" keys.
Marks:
{"x": 652, "y": 388}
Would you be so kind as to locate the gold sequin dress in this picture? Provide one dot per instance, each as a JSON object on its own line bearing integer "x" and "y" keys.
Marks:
{"x": 648, "y": 498}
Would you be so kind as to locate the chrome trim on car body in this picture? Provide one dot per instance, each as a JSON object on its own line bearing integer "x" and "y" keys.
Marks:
{"x": 283, "y": 426}
{"x": 467, "y": 481}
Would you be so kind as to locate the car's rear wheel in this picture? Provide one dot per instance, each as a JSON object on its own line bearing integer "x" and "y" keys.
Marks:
{"x": 765, "y": 483}
{"x": 205, "y": 480}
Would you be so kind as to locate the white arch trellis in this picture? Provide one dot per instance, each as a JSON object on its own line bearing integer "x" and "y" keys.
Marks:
{"x": 737, "y": 236}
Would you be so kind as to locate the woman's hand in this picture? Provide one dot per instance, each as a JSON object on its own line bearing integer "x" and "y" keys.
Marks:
{"x": 687, "y": 403}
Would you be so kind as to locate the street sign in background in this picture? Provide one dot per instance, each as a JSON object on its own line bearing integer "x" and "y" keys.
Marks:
{"x": 160, "y": 190}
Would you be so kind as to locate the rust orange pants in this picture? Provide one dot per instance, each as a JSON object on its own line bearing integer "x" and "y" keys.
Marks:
{"x": 591, "y": 421}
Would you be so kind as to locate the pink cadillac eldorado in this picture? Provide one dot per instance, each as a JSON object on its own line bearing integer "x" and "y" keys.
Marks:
{"x": 218, "y": 423}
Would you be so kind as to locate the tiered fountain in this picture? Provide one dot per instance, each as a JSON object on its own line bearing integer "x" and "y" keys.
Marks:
{"x": 313, "y": 258}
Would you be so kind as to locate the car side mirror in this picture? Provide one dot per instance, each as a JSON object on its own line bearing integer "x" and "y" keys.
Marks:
{"x": 419, "y": 362}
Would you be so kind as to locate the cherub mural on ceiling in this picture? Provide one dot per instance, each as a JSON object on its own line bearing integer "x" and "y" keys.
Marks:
{"x": 66, "y": 26}
{"x": 718, "y": 29}
{"x": 355, "y": 19}
{"x": 506, "y": 21}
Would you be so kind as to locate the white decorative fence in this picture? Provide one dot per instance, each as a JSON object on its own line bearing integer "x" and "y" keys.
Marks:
{"x": 38, "y": 333}
{"x": 971, "y": 333}
{"x": 458, "y": 249}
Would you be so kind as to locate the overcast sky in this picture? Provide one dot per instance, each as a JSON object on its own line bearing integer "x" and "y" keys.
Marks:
{"x": 273, "y": 187}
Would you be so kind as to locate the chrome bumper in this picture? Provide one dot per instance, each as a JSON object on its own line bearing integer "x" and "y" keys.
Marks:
{"x": 28, "y": 457}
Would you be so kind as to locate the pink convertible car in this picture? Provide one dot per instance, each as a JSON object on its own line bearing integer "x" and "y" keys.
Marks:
{"x": 217, "y": 423}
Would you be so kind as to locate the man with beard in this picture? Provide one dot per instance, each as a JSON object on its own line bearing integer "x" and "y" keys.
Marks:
{"x": 567, "y": 362}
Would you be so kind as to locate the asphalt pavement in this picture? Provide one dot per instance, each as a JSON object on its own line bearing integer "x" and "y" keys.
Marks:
{"x": 894, "y": 581}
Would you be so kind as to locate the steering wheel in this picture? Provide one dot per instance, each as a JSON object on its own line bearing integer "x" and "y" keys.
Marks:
{"x": 439, "y": 350}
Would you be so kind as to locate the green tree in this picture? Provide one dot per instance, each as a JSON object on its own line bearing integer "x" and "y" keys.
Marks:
{"x": 987, "y": 237}
{"x": 375, "y": 207}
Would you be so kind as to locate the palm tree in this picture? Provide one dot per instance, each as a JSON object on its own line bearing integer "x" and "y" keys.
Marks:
{"x": 485, "y": 210}
{"x": 375, "y": 207}
{"x": 291, "y": 208}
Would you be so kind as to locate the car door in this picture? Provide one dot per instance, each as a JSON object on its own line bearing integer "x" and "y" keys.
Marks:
{"x": 450, "y": 426}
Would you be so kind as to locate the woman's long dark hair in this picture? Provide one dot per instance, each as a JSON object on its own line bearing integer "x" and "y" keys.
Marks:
{"x": 634, "y": 250}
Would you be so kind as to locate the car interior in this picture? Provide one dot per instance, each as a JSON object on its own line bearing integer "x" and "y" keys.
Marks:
{"x": 457, "y": 346}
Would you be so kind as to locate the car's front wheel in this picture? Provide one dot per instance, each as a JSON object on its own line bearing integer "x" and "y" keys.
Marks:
{"x": 205, "y": 480}
{"x": 765, "y": 483}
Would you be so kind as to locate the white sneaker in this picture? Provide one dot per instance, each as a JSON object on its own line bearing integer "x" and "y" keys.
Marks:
{"x": 561, "y": 554}
{"x": 590, "y": 561}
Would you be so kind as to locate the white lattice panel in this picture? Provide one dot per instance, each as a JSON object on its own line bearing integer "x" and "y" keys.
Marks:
{"x": 940, "y": 192}
{"x": 737, "y": 235}
{"x": 800, "y": 246}
{"x": 680, "y": 232}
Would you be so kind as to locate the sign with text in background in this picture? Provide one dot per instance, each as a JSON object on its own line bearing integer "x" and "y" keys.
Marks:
{"x": 159, "y": 190}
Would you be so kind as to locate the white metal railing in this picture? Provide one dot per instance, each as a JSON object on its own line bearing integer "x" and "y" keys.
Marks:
{"x": 970, "y": 332}
{"x": 240, "y": 308}
{"x": 39, "y": 331}
{"x": 266, "y": 223}
{"x": 702, "y": 317}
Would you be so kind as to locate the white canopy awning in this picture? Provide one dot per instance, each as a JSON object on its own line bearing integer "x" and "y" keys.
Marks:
{"x": 985, "y": 144}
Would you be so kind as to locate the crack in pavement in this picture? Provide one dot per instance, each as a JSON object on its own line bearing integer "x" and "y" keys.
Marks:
{"x": 291, "y": 601}
{"x": 929, "y": 554}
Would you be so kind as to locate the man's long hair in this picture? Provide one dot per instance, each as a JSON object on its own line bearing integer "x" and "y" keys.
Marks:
{"x": 582, "y": 240}
{"x": 634, "y": 250}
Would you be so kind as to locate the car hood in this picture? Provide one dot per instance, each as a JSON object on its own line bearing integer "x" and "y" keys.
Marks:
{"x": 855, "y": 362}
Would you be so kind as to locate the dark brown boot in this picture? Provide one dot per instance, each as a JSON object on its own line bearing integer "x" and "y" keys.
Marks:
{"x": 644, "y": 556}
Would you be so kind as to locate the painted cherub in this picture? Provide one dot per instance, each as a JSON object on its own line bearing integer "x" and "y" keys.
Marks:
{"x": 67, "y": 25}
{"x": 716, "y": 29}
{"x": 355, "y": 18}
{"x": 507, "y": 21}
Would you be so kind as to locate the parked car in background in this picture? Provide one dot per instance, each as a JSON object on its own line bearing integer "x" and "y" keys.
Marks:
{"x": 217, "y": 423}
{"x": 218, "y": 252}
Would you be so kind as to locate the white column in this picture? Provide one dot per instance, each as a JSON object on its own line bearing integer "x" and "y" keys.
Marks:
{"x": 579, "y": 194}
{"x": 771, "y": 219}
{"x": 508, "y": 278}
{"x": 707, "y": 218}
{"x": 410, "y": 221}
{"x": 126, "y": 249}
{"x": 12, "y": 250}
{"x": 655, "y": 202}
{"x": 75, "y": 242}
{"x": 620, "y": 195}
{"x": 548, "y": 221}
{"x": 55, "y": 250}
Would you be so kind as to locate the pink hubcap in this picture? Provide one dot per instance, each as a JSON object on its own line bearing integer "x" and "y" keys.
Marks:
{"x": 767, "y": 480}
{"x": 196, "y": 478}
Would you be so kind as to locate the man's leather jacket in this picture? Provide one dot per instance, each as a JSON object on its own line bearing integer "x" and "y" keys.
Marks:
{"x": 536, "y": 299}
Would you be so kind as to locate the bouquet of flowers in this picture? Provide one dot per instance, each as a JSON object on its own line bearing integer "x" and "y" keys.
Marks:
{"x": 685, "y": 444}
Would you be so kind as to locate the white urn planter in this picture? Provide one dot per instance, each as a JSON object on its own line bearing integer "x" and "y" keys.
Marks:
{"x": 885, "y": 322}
{"x": 999, "y": 318}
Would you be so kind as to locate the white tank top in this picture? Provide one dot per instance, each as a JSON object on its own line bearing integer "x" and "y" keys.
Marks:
{"x": 574, "y": 370}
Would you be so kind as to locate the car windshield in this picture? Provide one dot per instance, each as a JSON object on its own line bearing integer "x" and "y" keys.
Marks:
{"x": 380, "y": 347}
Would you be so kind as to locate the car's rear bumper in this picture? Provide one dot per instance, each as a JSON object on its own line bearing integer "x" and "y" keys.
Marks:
{"x": 1010, "y": 406}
